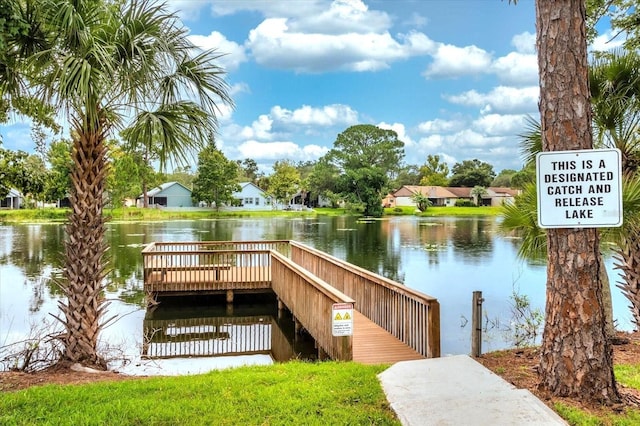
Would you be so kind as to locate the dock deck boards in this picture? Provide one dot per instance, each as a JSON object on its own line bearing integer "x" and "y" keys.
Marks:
{"x": 374, "y": 345}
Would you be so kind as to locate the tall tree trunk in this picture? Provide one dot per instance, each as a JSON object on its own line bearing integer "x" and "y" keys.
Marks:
{"x": 576, "y": 356}
{"x": 84, "y": 248}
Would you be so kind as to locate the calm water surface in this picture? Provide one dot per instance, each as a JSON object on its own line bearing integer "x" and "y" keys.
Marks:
{"x": 447, "y": 258}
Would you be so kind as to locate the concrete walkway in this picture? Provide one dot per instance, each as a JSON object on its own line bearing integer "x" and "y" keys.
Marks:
{"x": 459, "y": 391}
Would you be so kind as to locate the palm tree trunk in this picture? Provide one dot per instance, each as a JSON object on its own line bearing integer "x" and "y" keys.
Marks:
{"x": 84, "y": 249}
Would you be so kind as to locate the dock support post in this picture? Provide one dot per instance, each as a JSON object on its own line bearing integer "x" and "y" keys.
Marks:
{"x": 476, "y": 324}
{"x": 280, "y": 308}
{"x": 229, "y": 296}
{"x": 322, "y": 355}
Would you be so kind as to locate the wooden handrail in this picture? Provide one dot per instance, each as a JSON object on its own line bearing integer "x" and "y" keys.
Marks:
{"x": 411, "y": 316}
{"x": 311, "y": 301}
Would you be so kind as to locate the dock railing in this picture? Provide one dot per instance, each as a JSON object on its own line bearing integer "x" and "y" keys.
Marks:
{"x": 311, "y": 302}
{"x": 409, "y": 315}
{"x": 208, "y": 266}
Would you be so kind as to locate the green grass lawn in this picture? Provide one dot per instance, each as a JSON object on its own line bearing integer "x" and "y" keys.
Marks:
{"x": 296, "y": 393}
{"x": 139, "y": 214}
{"x": 627, "y": 376}
{"x": 443, "y": 211}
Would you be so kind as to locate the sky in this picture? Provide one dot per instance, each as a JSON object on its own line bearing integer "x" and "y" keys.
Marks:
{"x": 454, "y": 78}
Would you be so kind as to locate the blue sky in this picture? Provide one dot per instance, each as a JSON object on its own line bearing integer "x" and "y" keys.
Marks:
{"x": 452, "y": 77}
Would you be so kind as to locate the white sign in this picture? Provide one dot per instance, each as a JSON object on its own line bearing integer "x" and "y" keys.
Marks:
{"x": 579, "y": 189}
{"x": 342, "y": 319}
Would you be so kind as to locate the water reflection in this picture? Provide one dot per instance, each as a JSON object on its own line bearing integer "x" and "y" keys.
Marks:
{"x": 448, "y": 258}
{"x": 207, "y": 326}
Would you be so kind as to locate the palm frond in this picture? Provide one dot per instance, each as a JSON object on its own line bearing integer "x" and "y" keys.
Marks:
{"x": 530, "y": 141}
{"x": 521, "y": 219}
{"x": 174, "y": 130}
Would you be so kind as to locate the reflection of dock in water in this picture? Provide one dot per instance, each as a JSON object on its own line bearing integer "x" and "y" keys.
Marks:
{"x": 220, "y": 336}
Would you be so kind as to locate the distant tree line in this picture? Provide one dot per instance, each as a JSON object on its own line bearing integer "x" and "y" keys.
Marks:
{"x": 365, "y": 163}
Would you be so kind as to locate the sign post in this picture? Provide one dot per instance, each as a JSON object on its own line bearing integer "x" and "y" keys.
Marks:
{"x": 342, "y": 319}
{"x": 579, "y": 189}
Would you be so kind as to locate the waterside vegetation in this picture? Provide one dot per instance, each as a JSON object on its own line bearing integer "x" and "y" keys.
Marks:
{"x": 142, "y": 214}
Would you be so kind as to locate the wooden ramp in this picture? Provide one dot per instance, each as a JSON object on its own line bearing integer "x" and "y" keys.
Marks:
{"x": 374, "y": 345}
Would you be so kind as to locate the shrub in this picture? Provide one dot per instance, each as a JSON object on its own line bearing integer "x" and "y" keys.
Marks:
{"x": 465, "y": 203}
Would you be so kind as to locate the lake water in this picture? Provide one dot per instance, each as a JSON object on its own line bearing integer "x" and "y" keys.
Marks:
{"x": 447, "y": 258}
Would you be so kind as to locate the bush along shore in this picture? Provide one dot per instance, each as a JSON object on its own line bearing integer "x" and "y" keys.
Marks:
{"x": 140, "y": 214}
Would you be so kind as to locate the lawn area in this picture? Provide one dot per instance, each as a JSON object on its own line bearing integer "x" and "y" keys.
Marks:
{"x": 139, "y": 214}
{"x": 295, "y": 393}
{"x": 443, "y": 211}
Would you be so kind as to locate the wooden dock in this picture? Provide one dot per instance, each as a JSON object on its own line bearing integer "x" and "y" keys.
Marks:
{"x": 391, "y": 322}
{"x": 373, "y": 344}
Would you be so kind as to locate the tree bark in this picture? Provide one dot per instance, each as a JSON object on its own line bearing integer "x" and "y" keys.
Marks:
{"x": 84, "y": 249}
{"x": 576, "y": 356}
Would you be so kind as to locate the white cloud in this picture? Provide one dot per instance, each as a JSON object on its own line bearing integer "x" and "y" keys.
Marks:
{"x": 273, "y": 44}
{"x": 453, "y": 61}
{"x": 525, "y": 42}
{"x": 416, "y": 21}
{"x": 259, "y": 129}
{"x": 306, "y": 115}
{"x": 500, "y": 125}
{"x": 440, "y": 126}
{"x": 224, "y": 112}
{"x": 186, "y": 9}
{"x": 231, "y": 53}
{"x": 280, "y": 150}
{"x": 606, "y": 41}
{"x": 501, "y": 99}
{"x": 266, "y": 8}
{"x": 470, "y": 138}
{"x": 517, "y": 69}
{"x": 238, "y": 88}
{"x": 401, "y": 132}
{"x": 344, "y": 16}
{"x": 431, "y": 142}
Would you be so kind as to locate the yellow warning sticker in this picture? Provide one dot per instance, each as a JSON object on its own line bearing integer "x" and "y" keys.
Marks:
{"x": 339, "y": 317}
{"x": 346, "y": 316}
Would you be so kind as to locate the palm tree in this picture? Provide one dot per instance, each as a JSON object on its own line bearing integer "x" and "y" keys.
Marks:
{"x": 108, "y": 66}
{"x": 615, "y": 88}
{"x": 477, "y": 192}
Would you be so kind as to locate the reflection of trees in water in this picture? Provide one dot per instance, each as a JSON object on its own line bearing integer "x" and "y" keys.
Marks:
{"x": 35, "y": 247}
{"x": 370, "y": 249}
{"x": 472, "y": 237}
{"x": 37, "y": 251}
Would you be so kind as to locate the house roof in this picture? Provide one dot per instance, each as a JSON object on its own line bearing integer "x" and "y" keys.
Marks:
{"x": 452, "y": 192}
{"x": 460, "y": 192}
{"x": 502, "y": 191}
{"x": 14, "y": 193}
{"x": 428, "y": 191}
{"x": 155, "y": 191}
